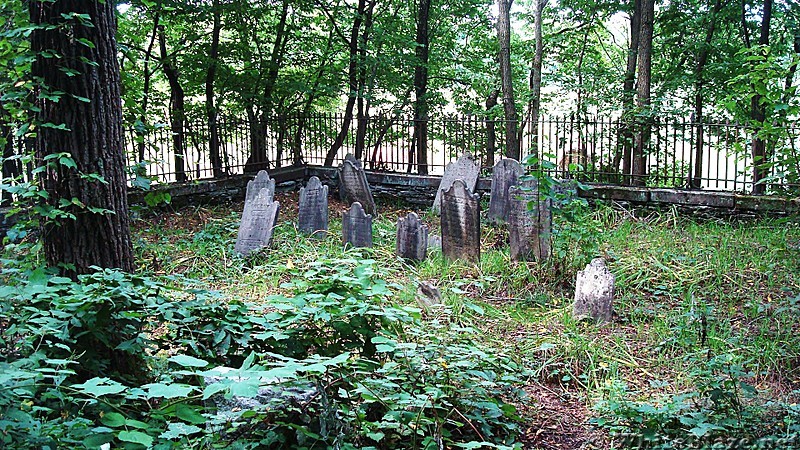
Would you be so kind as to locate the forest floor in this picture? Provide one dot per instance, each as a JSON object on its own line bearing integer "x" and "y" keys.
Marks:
{"x": 702, "y": 307}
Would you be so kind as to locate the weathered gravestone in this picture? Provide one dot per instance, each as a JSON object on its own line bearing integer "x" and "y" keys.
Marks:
{"x": 312, "y": 216}
{"x": 412, "y": 237}
{"x": 461, "y": 223}
{"x": 258, "y": 220}
{"x": 594, "y": 292}
{"x": 254, "y": 187}
{"x": 530, "y": 223}
{"x": 505, "y": 174}
{"x": 357, "y": 226}
{"x": 465, "y": 169}
{"x": 353, "y": 184}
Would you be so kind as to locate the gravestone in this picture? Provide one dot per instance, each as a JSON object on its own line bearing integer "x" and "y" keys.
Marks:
{"x": 461, "y": 220}
{"x": 312, "y": 217}
{"x": 412, "y": 237}
{"x": 357, "y": 226}
{"x": 353, "y": 184}
{"x": 594, "y": 292}
{"x": 254, "y": 187}
{"x": 505, "y": 174}
{"x": 530, "y": 223}
{"x": 465, "y": 169}
{"x": 434, "y": 242}
{"x": 428, "y": 295}
{"x": 258, "y": 220}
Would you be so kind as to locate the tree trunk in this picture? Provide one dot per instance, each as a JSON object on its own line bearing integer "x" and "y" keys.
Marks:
{"x": 352, "y": 75}
{"x": 510, "y": 108}
{"x": 148, "y": 54}
{"x": 536, "y": 74}
{"x": 99, "y": 233}
{"x": 491, "y": 132}
{"x": 700, "y": 64}
{"x": 363, "y": 104}
{"x": 758, "y": 115}
{"x": 177, "y": 108}
{"x": 644, "y": 55}
{"x": 211, "y": 110}
{"x": 626, "y": 133}
{"x": 421, "y": 86}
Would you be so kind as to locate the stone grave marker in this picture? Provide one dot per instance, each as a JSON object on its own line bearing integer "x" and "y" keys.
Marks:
{"x": 353, "y": 184}
{"x": 529, "y": 230}
{"x": 461, "y": 223}
{"x": 357, "y": 226}
{"x": 313, "y": 211}
{"x": 412, "y": 237}
{"x": 258, "y": 220}
{"x": 594, "y": 292}
{"x": 465, "y": 169}
{"x": 254, "y": 186}
{"x": 505, "y": 174}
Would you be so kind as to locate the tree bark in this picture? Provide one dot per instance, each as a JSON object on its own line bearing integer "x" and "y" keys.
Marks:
{"x": 211, "y": 110}
{"x": 491, "y": 132}
{"x": 148, "y": 54}
{"x": 644, "y": 62}
{"x": 362, "y": 116}
{"x": 625, "y": 153}
{"x": 91, "y": 110}
{"x": 177, "y": 108}
{"x": 506, "y": 79}
{"x": 421, "y": 86}
{"x": 536, "y": 74}
{"x": 758, "y": 115}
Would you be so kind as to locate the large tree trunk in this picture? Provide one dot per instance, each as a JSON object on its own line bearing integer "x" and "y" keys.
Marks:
{"x": 642, "y": 136}
{"x": 99, "y": 233}
{"x": 506, "y": 79}
{"x": 177, "y": 108}
{"x": 211, "y": 109}
{"x": 625, "y": 142}
{"x": 421, "y": 86}
{"x": 758, "y": 115}
{"x": 352, "y": 77}
{"x": 699, "y": 86}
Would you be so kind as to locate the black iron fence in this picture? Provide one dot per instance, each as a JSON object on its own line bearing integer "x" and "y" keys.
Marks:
{"x": 679, "y": 153}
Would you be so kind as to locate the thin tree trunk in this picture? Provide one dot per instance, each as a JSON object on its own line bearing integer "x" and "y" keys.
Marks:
{"x": 177, "y": 108}
{"x": 363, "y": 104}
{"x": 642, "y": 135}
{"x": 702, "y": 59}
{"x": 536, "y": 74}
{"x": 491, "y": 132}
{"x": 510, "y": 108}
{"x": 625, "y": 144}
{"x": 99, "y": 233}
{"x": 758, "y": 115}
{"x": 211, "y": 110}
{"x": 146, "y": 88}
{"x": 421, "y": 86}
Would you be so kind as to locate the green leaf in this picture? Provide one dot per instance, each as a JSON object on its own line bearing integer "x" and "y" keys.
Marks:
{"x": 96, "y": 440}
{"x": 176, "y": 430}
{"x": 100, "y": 386}
{"x": 113, "y": 420}
{"x": 188, "y": 361}
{"x": 187, "y": 413}
{"x": 174, "y": 390}
{"x": 137, "y": 437}
{"x": 214, "y": 388}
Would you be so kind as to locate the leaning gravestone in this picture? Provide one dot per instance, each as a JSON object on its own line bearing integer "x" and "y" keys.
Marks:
{"x": 357, "y": 226}
{"x": 461, "y": 220}
{"x": 412, "y": 237}
{"x": 353, "y": 184}
{"x": 254, "y": 187}
{"x": 505, "y": 174}
{"x": 594, "y": 292}
{"x": 258, "y": 220}
{"x": 465, "y": 169}
{"x": 530, "y": 222}
{"x": 313, "y": 211}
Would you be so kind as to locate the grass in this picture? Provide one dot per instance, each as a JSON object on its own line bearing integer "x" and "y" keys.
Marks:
{"x": 688, "y": 290}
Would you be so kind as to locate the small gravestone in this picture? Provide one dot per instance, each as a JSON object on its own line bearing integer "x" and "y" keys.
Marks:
{"x": 357, "y": 226}
{"x": 505, "y": 174}
{"x": 594, "y": 292}
{"x": 465, "y": 169}
{"x": 412, "y": 237}
{"x": 461, "y": 219}
{"x": 428, "y": 295}
{"x": 258, "y": 220}
{"x": 434, "y": 242}
{"x": 353, "y": 184}
{"x": 254, "y": 187}
{"x": 530, "y": 222}
{"x": 313, "y": 211}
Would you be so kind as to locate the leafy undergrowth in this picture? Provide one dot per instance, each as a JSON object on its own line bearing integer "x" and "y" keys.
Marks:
{"x": 702, "y": 350}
